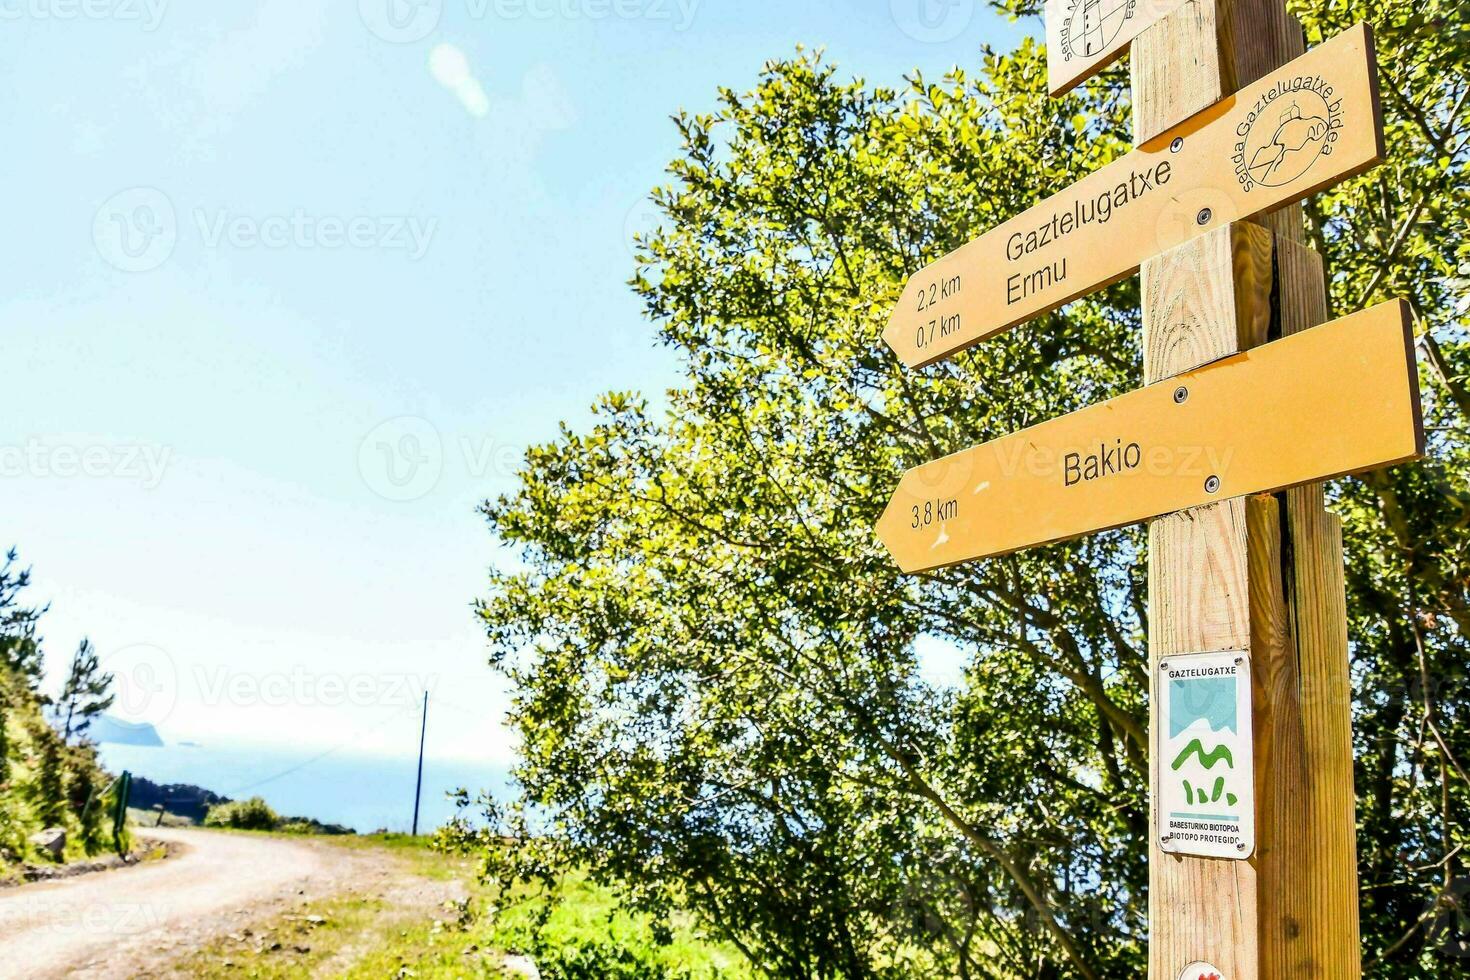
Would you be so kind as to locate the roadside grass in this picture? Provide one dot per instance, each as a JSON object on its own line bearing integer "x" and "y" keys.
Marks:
{"x": 587, "y": 936}
{"x": 345, "y": 935}
{"x": 417, "y": 852}
{"x": 290, "y": 945}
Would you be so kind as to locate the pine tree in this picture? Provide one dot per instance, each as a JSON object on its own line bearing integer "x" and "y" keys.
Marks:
{"x": 20, "y": 647}
{"x": 48, "y": 791}
{"x": 85, "y": 693}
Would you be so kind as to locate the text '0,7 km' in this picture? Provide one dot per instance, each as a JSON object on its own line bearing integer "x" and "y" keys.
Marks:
{"x": 1306, "y": 126}
{"x": 1336, "y": 399}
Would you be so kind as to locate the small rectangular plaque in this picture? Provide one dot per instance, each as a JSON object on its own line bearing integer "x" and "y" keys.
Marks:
{"x": 1207, "y": 787}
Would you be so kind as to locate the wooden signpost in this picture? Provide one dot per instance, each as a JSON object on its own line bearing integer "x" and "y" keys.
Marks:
{"x": 1252, "y": 864}
{"x": 1085, "y": 36}
{"x": 1304, "y": 127}
{"x": 1340, "y": 399}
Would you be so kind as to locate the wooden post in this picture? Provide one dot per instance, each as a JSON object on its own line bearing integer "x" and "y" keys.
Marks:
{"x": 1262, "y": 574}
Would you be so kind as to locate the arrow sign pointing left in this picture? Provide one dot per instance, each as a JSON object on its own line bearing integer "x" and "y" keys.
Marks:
{"x": 1340, "y": 398}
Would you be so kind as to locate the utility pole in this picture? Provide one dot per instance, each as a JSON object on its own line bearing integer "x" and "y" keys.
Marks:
{"x": 418, "y": 786}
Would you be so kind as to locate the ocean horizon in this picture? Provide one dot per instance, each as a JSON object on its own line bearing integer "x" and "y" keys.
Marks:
{"x": 361, "y": 791}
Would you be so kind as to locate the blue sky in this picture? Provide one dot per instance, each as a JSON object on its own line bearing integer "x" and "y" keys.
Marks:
{"x": 290, "y": 286}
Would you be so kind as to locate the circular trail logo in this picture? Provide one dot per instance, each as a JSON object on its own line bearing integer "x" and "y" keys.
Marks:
{"x": 1200, "y": 970}
{"x": 1289, "y": 128}
{"x": 1092, "y": 25}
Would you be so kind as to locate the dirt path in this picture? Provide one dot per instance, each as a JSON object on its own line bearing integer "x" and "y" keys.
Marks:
{"x": 120, "y": 923}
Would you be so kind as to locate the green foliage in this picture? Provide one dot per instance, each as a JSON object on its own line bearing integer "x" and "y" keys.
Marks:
{"x": 575, "y": 928}
{"x": 4, "y": 747}
{"x": 86, "y": 692}
{"x": 251, "y": 814}
{"x": 719, "y": 693}
{"x": 20, "y": 647}
{"x": 47, "y": 791}
{"x": 599, "y": 961}
{"x": 44, "y": 782}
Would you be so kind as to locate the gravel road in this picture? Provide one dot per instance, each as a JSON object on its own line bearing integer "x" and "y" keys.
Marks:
{"x": 115, "y": 923}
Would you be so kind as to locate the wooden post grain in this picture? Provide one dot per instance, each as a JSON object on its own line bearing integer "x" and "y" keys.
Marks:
{"x": 1262, "y": 573}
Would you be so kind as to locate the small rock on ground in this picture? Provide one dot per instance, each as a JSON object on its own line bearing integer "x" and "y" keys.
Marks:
{"x": 521, "y": 966}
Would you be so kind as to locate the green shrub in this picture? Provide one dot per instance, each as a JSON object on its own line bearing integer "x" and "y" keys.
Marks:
{"x": 251, "y": 814}
{"x": 601, "y": 960}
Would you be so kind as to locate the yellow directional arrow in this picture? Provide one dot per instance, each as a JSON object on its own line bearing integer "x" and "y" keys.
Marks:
{"x": 1304, "y": 127}
{"x": 1340, "y": 398}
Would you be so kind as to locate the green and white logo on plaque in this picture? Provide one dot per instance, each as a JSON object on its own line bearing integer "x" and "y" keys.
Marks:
{"x": 1207, "y": 771}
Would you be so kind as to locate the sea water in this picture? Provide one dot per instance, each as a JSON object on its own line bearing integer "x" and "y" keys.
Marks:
{"x": 360, "y": 791}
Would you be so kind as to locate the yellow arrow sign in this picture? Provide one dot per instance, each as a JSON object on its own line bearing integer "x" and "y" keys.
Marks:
{"x": 1304, "y": 127}
{"x": 1084, "y": 36}
{"x": 1340, "y": 398}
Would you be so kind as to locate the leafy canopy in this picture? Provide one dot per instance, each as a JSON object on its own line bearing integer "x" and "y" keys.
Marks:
{"x": 721, "y": 695}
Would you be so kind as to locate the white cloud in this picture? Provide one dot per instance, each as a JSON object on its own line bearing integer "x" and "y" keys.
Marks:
{"x": 451, "y": 68}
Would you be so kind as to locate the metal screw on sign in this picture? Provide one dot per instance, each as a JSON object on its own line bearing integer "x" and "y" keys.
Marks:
{"x": 1164, "y": 665}
{"x": 1204, "y": 216}
{"x": 1177, "y": 145}
{"x": 1181, "y": 395}
{"x": 1212, "y": 485}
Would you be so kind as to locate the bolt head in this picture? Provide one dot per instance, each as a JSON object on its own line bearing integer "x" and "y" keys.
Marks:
{"x": 1212, "y": 485}
{"x": 1181, "y": 395}
{"x": 1177, "y": 145}
{"x": 1204, "y": 216}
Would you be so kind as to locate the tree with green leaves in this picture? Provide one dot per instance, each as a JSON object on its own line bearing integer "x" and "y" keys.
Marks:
{"x": 86, "y": 693}
{"x": 20, "y": 647}
{"x": 47, "y": 788}
{"x": 720, "y": 692}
